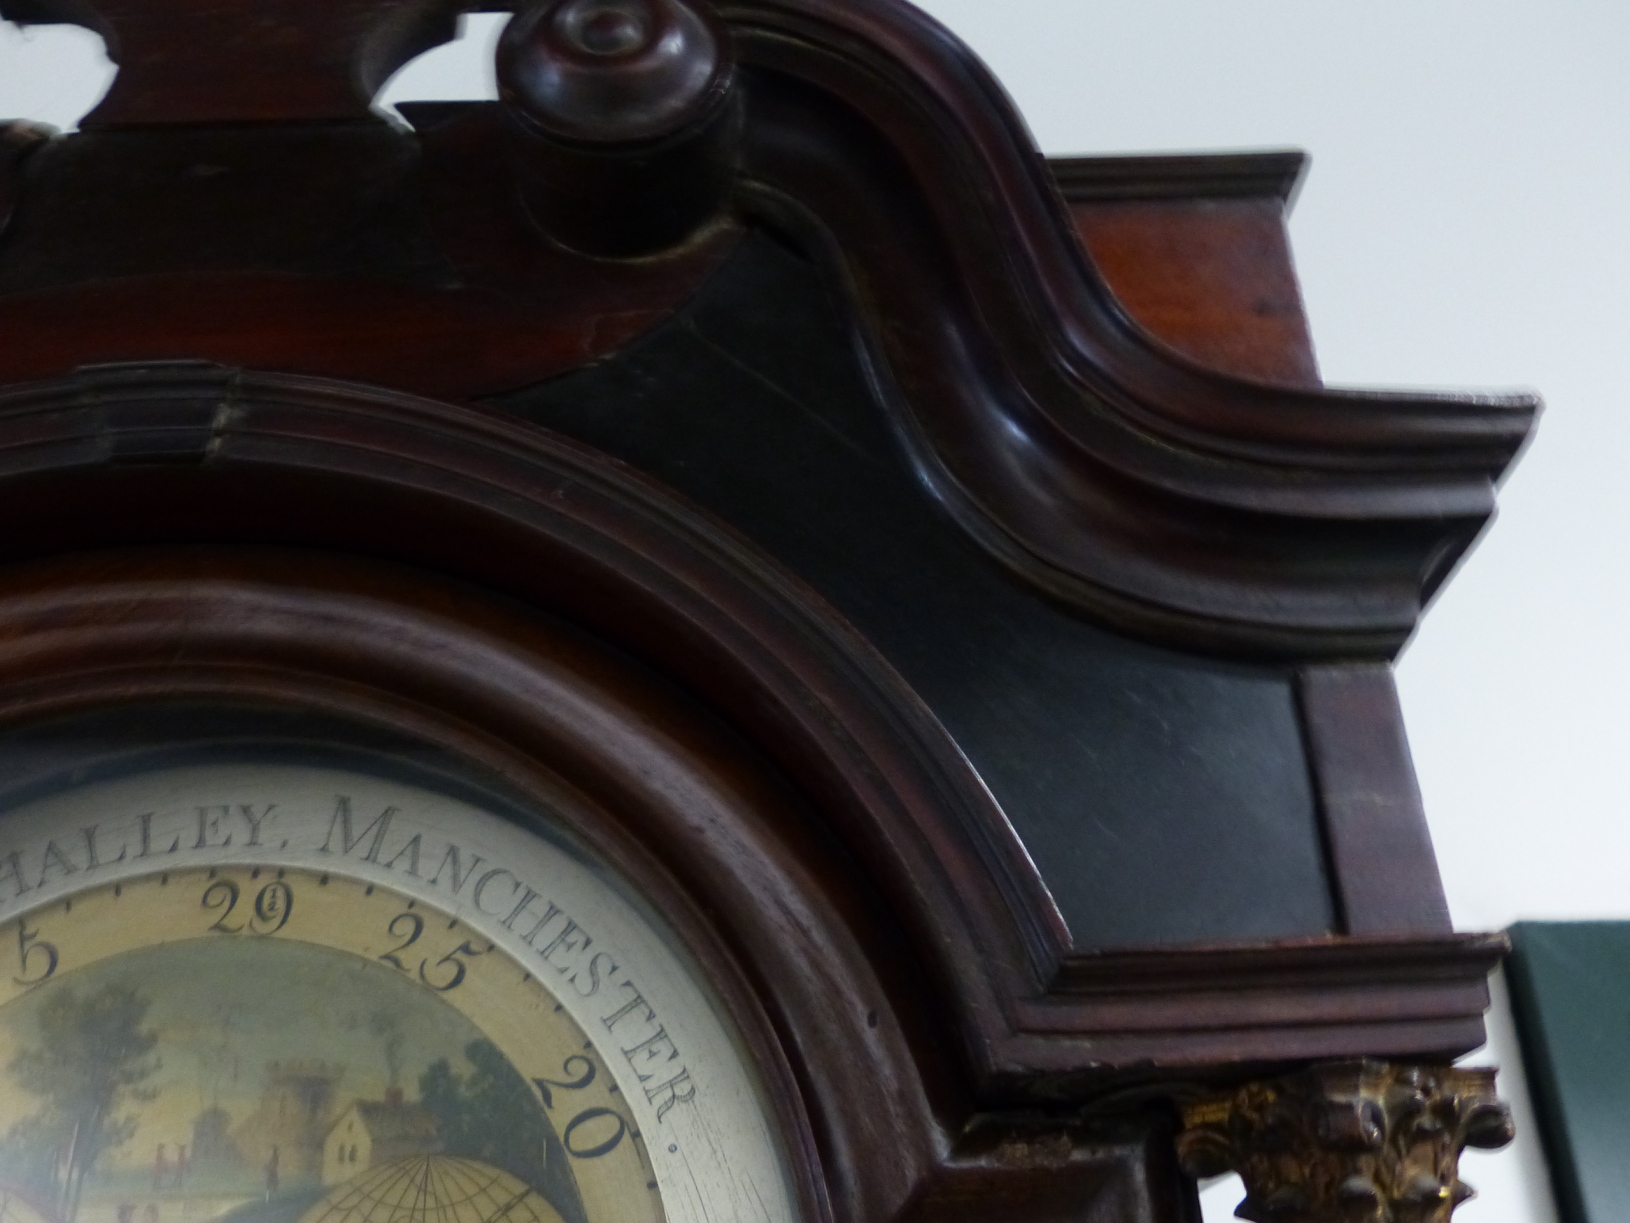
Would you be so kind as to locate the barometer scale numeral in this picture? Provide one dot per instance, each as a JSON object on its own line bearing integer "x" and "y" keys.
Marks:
{"x": 546, "y": 1089}
{"x": 271, "y": 909}
{"x": 589, "y": 1129}
{"x": 30, "y": 949}
{"x": 450, "y": 967}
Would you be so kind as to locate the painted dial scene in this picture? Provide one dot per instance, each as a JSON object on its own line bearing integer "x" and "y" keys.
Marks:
{"x": 270, "y": 994}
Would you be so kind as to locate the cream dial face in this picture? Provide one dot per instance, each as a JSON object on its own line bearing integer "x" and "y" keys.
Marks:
{"x": 279, "y": 994}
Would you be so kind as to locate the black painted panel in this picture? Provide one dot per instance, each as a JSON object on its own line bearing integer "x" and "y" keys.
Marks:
{"x": 127, "y": 203}
{"x": 1165, "y": 799}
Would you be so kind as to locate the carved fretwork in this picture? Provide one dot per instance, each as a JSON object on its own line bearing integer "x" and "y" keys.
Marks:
{"x": 1350, "y": 1141}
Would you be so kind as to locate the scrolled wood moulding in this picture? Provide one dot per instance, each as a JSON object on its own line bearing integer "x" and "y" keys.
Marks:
{"x": 1207, "y": 511}
{"x": 1194, "y": 247}
{"x": 1174, "y": 502}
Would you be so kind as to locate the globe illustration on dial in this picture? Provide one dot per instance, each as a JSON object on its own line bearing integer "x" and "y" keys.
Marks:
{"x": 432, "y": 1189}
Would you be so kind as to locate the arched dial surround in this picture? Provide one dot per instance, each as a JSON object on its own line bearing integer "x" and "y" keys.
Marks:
{"x": 354, "y": 939}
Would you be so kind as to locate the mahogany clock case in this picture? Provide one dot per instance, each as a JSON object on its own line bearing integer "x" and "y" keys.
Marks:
{"x": 994, "y": 697}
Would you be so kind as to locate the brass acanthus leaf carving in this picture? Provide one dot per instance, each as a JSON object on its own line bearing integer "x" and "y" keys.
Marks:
{"x": 1348, "y": 1142}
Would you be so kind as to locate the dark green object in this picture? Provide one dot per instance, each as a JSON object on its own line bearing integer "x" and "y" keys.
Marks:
{"x": 1570, "y": 991}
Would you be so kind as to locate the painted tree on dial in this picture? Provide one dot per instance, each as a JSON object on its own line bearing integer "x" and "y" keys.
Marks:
{"x": 92, "y": 1058}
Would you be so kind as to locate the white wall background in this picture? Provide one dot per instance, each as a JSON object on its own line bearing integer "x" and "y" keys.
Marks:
{"x": 1466, "y": 224}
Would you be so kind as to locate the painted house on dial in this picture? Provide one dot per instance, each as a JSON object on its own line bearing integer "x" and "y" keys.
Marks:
{"x": 374, "y": 1132}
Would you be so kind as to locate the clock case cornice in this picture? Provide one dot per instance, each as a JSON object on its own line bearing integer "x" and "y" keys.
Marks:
{"x": 195, "y": 455}
{"x": 1100, "y": 466}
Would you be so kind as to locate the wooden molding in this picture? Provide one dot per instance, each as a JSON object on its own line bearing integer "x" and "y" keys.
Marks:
{"x": 623, "y": 122}
{"x": 1135, "y": 485}
{"x": 1195, "y": 250}
{"x": 572, "y": 728}
{"x": 1381, "y": 859}
{"x": 1275, "y": 174}
{"x": 196, "y": 455}
{"x": 347, "y": 250}
{"x": 302, "y": 61}
{"x": 1171, "y": 501}
{"x": 1059, "y": 1170}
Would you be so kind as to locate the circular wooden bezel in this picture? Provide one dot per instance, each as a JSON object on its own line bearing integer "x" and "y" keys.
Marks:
{"x": 505, "y": 595}
{"x": 699, "y": 827}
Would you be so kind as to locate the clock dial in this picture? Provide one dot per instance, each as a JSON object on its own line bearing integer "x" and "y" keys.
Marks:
{"x": 274, "y": 994}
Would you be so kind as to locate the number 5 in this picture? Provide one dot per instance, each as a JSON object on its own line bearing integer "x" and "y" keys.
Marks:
{"x": 459, "y": 967}
{"x": 28, "y": 945}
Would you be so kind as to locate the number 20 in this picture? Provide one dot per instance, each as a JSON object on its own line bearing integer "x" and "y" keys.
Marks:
{"x": 569, "y": 1136}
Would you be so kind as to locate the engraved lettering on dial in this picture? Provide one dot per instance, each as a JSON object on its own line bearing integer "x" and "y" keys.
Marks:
{"x": 280, "y": 995}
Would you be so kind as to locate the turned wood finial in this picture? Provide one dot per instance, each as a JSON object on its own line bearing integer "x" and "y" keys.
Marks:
{"x": 610, "y": 72}
{"x": 622, "y": 120}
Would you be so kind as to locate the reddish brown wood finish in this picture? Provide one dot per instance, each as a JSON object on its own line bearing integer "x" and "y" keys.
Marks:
{"x": 709, "y": 723}
{"x": 1195, "y": 249}
{"x": 1212, "y": 278}
{"x": 1375, "y": 828}
{"x": 196, "y": 455}
{"x": 1172, "y": 501}
{"x": 201, "y": 61}
{"x": 1053, "y": 373}
{"x": 623, "y": 121}
{"x": 1093, "y": 1171}
{"x": 115, "y": 269}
